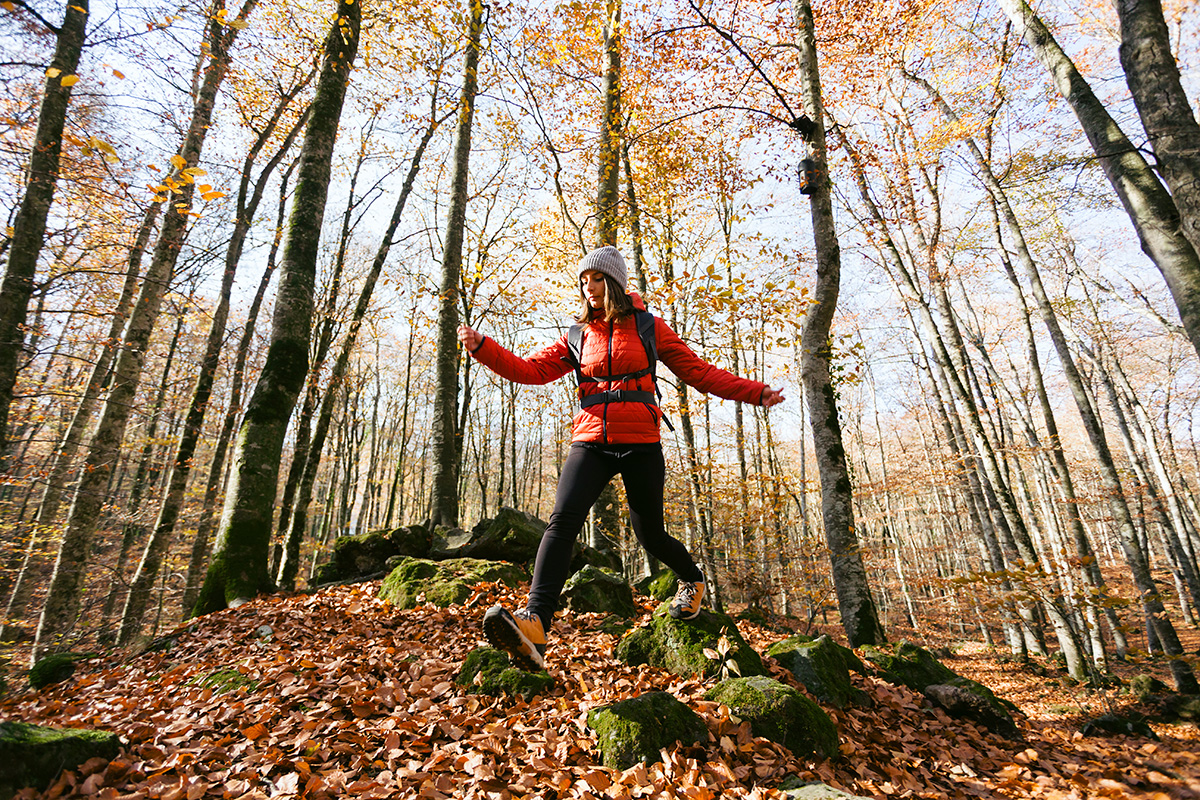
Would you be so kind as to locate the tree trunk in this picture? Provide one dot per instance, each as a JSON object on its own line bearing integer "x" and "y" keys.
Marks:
{"x": 64, "y": 455}
{"x": 29, "y": 226}
{"x": 312, "y": 459}
{"x": 239, "y": 566}
{"x": 859, "y": 617}
{"x": 1167, "y": 117}
{"x": 608, "y": 183}
{"x": 444, "y": 498}
{"x": 1149, "y": 206}
{"x": 164, "y": 527}
{"x": 212, "y": 487}
{"x": 66, "y": 585}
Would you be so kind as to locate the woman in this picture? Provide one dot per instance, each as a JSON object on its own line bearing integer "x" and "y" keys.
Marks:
{"x": 615, "y": 431}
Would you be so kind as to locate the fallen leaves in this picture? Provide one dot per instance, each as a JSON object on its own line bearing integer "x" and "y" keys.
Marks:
{"x": 351, "y": 697}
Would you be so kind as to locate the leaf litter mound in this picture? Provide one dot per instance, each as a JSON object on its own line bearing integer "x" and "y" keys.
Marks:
{"x": 339, "y": 694}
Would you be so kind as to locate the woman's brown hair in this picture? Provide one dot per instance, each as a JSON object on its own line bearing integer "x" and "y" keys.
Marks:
{"x": 617, "y": 304}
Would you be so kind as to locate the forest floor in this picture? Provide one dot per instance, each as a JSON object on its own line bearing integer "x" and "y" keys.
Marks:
{"x": 339, "y": 694}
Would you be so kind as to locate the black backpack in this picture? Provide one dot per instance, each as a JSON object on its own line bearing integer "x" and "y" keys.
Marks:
{"x": 645, "y": 327}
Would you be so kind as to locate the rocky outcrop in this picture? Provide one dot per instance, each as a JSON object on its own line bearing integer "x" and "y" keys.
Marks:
{"x": 489, "y": 671}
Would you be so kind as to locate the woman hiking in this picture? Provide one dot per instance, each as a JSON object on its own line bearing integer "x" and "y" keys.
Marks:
{"x": 615, "y": 431}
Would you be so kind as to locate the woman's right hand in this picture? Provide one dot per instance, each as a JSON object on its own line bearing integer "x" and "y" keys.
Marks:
{"x": 470, "y": 338}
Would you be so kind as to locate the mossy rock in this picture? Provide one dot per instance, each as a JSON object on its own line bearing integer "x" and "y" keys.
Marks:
{"x": 490, "y": 671}
{"x": 601, "y": 591}
{"x": 821, "y": 665}
{"x": 779, "y": 713}
{"x": 637, "y": 729}
{"x": 511, "y": 536}
{"x": 588, "y": 556}
{"x": 907, "y": 664}
{"x": 661, "y": 585}
{"x": 32, "y": 756}
{"x": 1146, "y": 686}
{"x": 1118, "y": 725}
{"x": 444, "y": 583}
{"x": 225, "y": 679}
{"x": 678, "y": 645}
{"x": 965, "y": 704}
{"x": 916, "y": 668}
{"x": 55, "y": 668}
{"x": 795, "y": 789}
{"x": 367, "y": 554}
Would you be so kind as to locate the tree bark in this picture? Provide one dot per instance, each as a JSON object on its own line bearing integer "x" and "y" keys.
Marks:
{"x": 444, "y": 498}
{"x": 29, "y": 226}
{"x": 859, "y": 617}
{"x": 239, "y": 566}
{"x": 1167, "y": 117}
{"x": 66, "y": 585}
{"x": 299, "y": 518}
{"x": 164, "y": 527}
{"x": 1150, "y": 207}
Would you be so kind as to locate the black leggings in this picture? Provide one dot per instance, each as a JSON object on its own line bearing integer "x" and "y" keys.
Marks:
{"x": 587, "y": 471}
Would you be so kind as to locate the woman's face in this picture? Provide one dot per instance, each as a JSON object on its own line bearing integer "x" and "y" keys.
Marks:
{"x": 592, "y": 283}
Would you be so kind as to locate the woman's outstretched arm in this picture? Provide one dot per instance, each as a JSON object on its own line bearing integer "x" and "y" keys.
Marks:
{"x": 544, "y": 366}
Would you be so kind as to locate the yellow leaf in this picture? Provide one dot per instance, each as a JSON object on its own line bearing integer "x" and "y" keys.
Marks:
{"x": 239, "y": 24}
{"x": 177, "y": 161}
{"x": 118, "y": 74}
{"x": 53, "y": 72}
{"x": 70, "y": 80}
{"x": 194, "y": 171}
{"x": 211, "y": 195}
{"x": 7, "y": 6}
{"x": 204, "y": 187}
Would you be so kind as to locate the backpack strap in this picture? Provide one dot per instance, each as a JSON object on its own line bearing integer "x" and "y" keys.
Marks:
{"x": 645, "y": 323}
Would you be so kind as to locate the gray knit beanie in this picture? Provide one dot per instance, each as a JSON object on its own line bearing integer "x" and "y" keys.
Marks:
{"x": 608, "y": 260}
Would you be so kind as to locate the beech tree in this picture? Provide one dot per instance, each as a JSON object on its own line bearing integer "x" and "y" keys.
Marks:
{"x": 29, "y": 226}
{"x": 239, "y": 568}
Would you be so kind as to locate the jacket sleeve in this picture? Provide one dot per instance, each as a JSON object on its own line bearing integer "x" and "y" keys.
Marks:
{"x": 544, "y": 366}
{"x": 699, "y": 374}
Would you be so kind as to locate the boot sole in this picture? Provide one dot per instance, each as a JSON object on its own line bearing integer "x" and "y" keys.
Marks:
{"x": 502, "y": 632}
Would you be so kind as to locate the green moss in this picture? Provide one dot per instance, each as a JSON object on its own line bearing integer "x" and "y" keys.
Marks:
{"x": 602, "y": 591}
{"x": 225, "y": 679}
{"x": 55, "y": 668}
{"x": 660, "y": 586}
{"x": 489, "y": 671}
{"x": 637, "y": 729}
{"x": 32, "y": 756}
{"x": 820, "y": 665}
{"x": 907, "y": 664}
{"x": 779, "y": 713}
{"x": 444, "y": 583}
{"x": 678, "y": 645}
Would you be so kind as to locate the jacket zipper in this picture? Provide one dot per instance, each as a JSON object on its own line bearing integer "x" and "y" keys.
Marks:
{"x": 604, "y": 425}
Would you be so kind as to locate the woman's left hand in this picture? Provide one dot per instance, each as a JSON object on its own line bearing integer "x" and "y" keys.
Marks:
{"x": 772, "y": 397}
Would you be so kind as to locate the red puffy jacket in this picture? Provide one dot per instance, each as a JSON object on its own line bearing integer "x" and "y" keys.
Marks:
{"x": 616, "y": 349}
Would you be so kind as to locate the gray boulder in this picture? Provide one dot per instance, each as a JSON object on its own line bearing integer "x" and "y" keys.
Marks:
{"x": 444, "y": 583}
{"x": 637, "y": 729}
{"x": 55, "y": 668}
{"x": 822, "y": 665}
{"x": 601, "y": 591}
{"x": 779, "y": 713}
{"x": 796, "y": 789}
{"x": 33, "y": 756}
{"x": 678, "y": 645}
